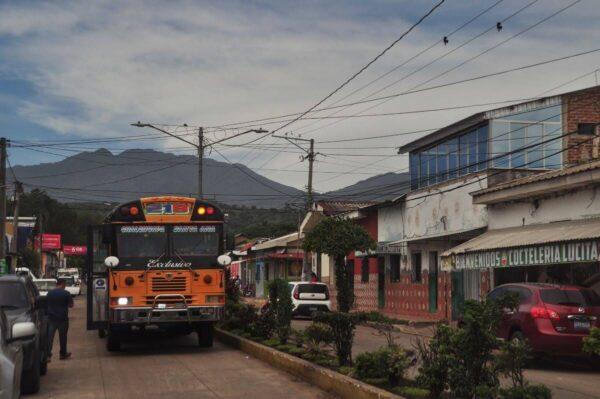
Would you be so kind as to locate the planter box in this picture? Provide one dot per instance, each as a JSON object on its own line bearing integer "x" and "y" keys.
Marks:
{"x": 322, "y": 377}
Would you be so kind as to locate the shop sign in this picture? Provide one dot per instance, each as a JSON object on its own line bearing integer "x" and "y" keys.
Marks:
{"x": 74, "y": 249}
{"x": 572, "y": 252}
{"x": 49, "y": 242}
{"x": 384, "y": 248}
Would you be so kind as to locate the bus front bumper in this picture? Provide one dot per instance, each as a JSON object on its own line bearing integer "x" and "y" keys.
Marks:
{"x": 149, "y": 315}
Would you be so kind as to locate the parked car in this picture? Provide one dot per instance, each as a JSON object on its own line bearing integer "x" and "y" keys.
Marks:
{"x": 25, "y": 272}
{"x": 72, "y": 285}
{"x": 552, "y": 318}
{"x": 21, "y": 302}
{"x": 11, "y": 355}
{"x": 309, "y": 298}
{"x": 44, "y": 285}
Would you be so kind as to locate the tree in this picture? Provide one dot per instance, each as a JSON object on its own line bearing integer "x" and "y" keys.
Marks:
{"x": 336, "y": 237}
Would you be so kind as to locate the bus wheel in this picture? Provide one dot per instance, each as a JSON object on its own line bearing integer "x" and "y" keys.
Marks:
{"x": 205, "y": 335}
{"x": 113, "y": 342}
{"x": 101, "y": 333}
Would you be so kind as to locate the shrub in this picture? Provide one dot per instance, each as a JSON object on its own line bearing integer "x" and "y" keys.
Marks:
{"x": 239, "y": 316}
{"x": 280, "y": 301}
{"x": 386, "y": 329}
{"x": 389, "y": 363}
{"x": 232, "y": 291}
{"x": 347, "y": 370}
{"x": 435, "y": 360}
{"x": 343, "y": 326}
{"x": 272, "y": 342}
{"x": 511, "y": 361}
{"x": 413, "y": 392}
{"x": 297, "y": 351}
{"x": 591, "y": 343}
{"x": 317, "y": 335}
{"x": 285, "y": 347}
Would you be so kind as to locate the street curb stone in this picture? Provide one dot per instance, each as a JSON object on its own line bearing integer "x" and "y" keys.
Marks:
{"x": 326, "y": 379}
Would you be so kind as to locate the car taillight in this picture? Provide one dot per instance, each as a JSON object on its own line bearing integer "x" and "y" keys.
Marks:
{"x": 296, "y": 295}
{"x": 538, "y": 312}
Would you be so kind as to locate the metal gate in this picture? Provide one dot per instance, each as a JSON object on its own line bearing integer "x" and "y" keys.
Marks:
{"x": 97, "y": 280}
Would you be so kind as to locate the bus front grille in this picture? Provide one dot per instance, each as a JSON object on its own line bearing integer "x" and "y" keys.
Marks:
{"x": 175, "y": 284}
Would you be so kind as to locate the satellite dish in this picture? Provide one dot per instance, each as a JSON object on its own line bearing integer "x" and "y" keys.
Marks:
{"x": 111, "y": 261}
{"x": 224, "y": 260}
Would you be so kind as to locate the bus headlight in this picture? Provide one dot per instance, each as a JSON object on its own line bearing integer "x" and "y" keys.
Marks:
{"x": 124, "y": 301}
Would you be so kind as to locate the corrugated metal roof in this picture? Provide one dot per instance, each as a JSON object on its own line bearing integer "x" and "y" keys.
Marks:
{"x": 276, "y": 242}
{"x": 584, "y": 167}
{"x": 335, "y": 207}
{"x": 571, "y": 230}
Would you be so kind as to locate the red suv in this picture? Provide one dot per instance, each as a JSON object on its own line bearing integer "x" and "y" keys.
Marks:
{"x": 553, "y": 318}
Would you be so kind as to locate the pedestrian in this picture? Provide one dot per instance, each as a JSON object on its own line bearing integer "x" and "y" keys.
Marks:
{"x": 313, "y": 277}
{"x": 58, "y": 302}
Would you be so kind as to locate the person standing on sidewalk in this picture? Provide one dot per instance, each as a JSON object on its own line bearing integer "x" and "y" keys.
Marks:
{"x": 59, "y": 301}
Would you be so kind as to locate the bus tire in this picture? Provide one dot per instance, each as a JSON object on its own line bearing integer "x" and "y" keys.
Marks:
{"x": 113, "y": 342}
{"x": 205, "y": 335}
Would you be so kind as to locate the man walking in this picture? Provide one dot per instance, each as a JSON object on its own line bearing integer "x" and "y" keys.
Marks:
{"x": 59, "y": 301}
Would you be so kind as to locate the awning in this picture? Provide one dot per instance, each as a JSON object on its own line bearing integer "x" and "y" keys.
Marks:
{"x": 543, "y": 244}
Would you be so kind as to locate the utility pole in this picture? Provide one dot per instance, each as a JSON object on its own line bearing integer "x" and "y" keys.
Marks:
{"x": 310, "y": 156}
{"x": 2, "y": 201}
{"x": 14, "y": 244}
{"x": 200, "y": 146}
{"x": 200, "y": 160}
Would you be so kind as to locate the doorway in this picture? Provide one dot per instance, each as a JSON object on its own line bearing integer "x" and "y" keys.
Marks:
{"x": 381, "y": 282}
{"x": 433, "y": 281}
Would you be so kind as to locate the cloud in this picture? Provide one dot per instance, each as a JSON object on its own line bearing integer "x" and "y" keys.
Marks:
{"x": 98, "y": 66}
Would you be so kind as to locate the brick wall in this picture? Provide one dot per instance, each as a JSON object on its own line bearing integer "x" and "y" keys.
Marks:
{"x": 580, "y": 107}
{"x": 407, "y": 300}
{"x": 365, "y": 294}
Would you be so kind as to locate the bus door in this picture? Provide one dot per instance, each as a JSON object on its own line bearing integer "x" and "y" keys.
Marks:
{"x": 97, "y": 280}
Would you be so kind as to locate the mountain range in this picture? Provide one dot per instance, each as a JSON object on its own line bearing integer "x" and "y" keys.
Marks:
{"x": 101, "y": 176}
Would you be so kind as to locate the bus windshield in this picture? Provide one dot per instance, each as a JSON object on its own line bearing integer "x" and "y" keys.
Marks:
{"x": 141, "y": 241}
{"x": 193, "y": 240}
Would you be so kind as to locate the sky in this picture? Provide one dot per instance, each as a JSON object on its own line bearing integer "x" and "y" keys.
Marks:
{"x": 87, "y": 70}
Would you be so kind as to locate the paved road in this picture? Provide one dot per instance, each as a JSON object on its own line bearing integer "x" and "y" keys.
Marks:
{"x": 159, "y": 367}
{"x": 566, "y": 379}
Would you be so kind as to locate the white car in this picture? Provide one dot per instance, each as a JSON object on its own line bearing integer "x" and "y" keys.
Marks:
{"x": 309, "y": 298}
{"x": 72, "y": 285}
{"x": 24, "y": 272}
{"x": 44, "y": 285}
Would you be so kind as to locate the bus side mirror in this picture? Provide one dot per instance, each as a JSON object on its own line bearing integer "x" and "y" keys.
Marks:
{"x": 111, "y": 261}
{"x": 224, "y": 260}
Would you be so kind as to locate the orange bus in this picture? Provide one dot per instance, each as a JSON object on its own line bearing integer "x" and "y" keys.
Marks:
{"x": 155, "y": 262}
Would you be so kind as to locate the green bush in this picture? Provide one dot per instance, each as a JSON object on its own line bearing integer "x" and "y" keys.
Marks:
{"x": 591, "y": 343}
{"x": 389, "y": 363}
{"x": 435, "y": 360}
{"x": 232, "y": 291}
{"x": 347, "y": 370}
{"x": 272, "y": 342}
{"x": 413, "y": 392}
{"x": 343, "y": 326}
{"x": 378, "y": 382}
{"x": 239, "y": 316}
{"x": 297, "y": 351}
{"x": 285, "y": 347}
{"x": 280, "y": 302}
{"x": 510, "y": 362}
{"x": 526, "y": 392}
{"x": 264, "y": 325}
{"x": 318, "y": 335}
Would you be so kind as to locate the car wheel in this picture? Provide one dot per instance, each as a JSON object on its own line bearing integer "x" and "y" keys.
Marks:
{"x": 30, "y": 379}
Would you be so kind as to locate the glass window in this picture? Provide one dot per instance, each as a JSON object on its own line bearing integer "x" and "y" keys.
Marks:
{"x": 535, "y": 153}
{"x": 549, "y": 114}
{"x": 442, "y": 162}
{"x": 422, "y": 170}
{"x": 312, "y": 289}
{"x": 517, "y": 142}
{"x": 416, "y": 267}
{"x": 395, "y": 268}
{"x": 193, "y": 240}
{"x": 500, "y": 144}
{"x": 13, "y": 295}
{"x": 463, "y": 155}
{"x": 583, "y": 297}
{"x": 452, "y": 148}
{"x": 141, "y": 241}
{"x": 482, "y": 147}
{"x": 472, "y": 140}
{"x": 552, "y": 146}
{"x": 414, "y": 171}
{"x": 431, "y": 166}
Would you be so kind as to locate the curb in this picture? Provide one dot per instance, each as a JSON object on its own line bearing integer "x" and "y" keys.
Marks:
{"x": 324, "y": 378}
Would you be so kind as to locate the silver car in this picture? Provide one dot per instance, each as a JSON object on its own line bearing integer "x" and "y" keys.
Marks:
{"x": 11, "y": 355}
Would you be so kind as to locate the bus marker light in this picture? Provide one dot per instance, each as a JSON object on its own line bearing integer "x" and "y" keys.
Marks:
{"x": 201, "y": 210}
{"x": 208, "y": 279}
{"x": 134, "y": 210}
{"x": 210, "y": 210}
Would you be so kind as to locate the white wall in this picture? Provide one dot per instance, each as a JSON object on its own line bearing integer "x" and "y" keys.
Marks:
{"x": 437, "y": 211}
{"x": 577, "y": 205}
{"x": 389, "y": 223}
